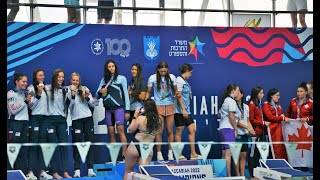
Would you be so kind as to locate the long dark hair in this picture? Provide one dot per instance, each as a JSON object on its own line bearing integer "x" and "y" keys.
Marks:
{"x": 107, "y": 73}
{"x": 137, "y": 81}
{"x": 185, "y": 68}
{"x": 35, "y": 83}
{"x": 153, "y": 120}
{"x": 271, "y": 92}
{"x": 227, "y": 92}
{"x": 254, "y": 95}
{"x": 241, "y": 100}
{"x": 54, "y": 84}
{"x": 163, "y": 64}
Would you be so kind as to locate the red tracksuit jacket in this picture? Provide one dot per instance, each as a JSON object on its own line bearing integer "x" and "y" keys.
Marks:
{"x": 306, "y": 110}
{"x": 274, "y": 116}
{"x": 255, "y": 117}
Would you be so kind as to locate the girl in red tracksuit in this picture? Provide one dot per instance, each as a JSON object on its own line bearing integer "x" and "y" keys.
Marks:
{"x": 256, "y": 119}
{"x": 272, "y": 112}
{"x": 301, "y": 107}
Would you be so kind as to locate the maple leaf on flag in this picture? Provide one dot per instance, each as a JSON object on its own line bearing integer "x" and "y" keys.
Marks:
{"x": 303, "y": 132}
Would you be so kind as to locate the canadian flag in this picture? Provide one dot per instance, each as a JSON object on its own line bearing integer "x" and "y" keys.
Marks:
{"x": 297, "y": 131}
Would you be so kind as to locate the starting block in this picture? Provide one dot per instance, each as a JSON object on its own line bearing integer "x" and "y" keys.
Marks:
{"x": 155, "y": 172}
{"x": 158, "y": 172}
{"x": 15, "y": 175}
{"x": 279, "y": 169}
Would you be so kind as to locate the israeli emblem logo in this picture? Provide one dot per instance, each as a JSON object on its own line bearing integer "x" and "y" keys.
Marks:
{"x": 151, "y": 48}
{"x": 97, "y": 46}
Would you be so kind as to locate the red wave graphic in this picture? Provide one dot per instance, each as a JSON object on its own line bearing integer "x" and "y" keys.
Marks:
{"x": 259, "y": 53}
{"x": 258, "y": 38}
{"x": 242, "y": 57}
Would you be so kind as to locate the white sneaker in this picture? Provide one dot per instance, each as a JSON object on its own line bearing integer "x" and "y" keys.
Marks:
{"x": 196, "y": 157}
{"x": 45, "y": 176}
{"x": 159, "y": 156}
{"x": 31, "y": 176}
{"x": 77, "y": 173}
{"x": 170, "y": 155}
{"x": 182, "y": 157}
{"x": 91, "y": 173}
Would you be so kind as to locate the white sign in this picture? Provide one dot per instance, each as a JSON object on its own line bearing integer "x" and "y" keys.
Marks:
{"x": 98, "y": 116}
{"x": 193, "y": 171}
{"x": 251, "y": 20}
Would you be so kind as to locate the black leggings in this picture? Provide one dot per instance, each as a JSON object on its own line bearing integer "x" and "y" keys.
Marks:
{"x": 253, "y": 157}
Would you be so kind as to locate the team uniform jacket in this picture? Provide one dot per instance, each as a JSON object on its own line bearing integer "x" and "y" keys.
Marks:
{"x": 39, "y": 104}
{"x": 274, "y": 116}
{"x": 58, "y": 107}
{"x": 17, "y": 106}
{"x": 117, "y": 94}
{"x": 79, "y": 108}
{"x": 306, "y": 110}
{"x": 255, "y": 117}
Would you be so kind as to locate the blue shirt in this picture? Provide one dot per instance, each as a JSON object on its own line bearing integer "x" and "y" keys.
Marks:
{"x": 137, "y": 103}
{"x": 185, "y": 89}
{"x": 162, "y": 96}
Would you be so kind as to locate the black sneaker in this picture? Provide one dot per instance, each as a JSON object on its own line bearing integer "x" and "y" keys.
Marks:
{"x": 122, "y": 158}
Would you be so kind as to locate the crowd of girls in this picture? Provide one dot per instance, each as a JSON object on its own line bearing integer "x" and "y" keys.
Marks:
{"x": 44, "y": 108}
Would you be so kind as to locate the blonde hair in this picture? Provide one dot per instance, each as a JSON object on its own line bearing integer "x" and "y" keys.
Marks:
{"x": 79, "y": 86}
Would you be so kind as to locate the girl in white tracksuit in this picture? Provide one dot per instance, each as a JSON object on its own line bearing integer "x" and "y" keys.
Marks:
{"x": 82, "y": 121}
{"x": 17, "y": 105}
{"x": 57, "y": 126}
{"x": 39, "y": 106}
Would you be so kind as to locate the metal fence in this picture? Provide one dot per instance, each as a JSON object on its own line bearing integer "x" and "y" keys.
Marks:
{"x": 161, "y": 7}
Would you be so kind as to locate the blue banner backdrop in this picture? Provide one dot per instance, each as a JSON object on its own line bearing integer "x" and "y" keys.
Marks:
{"x": 269, "y": 57}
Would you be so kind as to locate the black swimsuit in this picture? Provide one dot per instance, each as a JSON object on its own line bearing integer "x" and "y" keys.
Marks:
{"x": 137, "y": 145}
{"x": 137, "y": 141}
